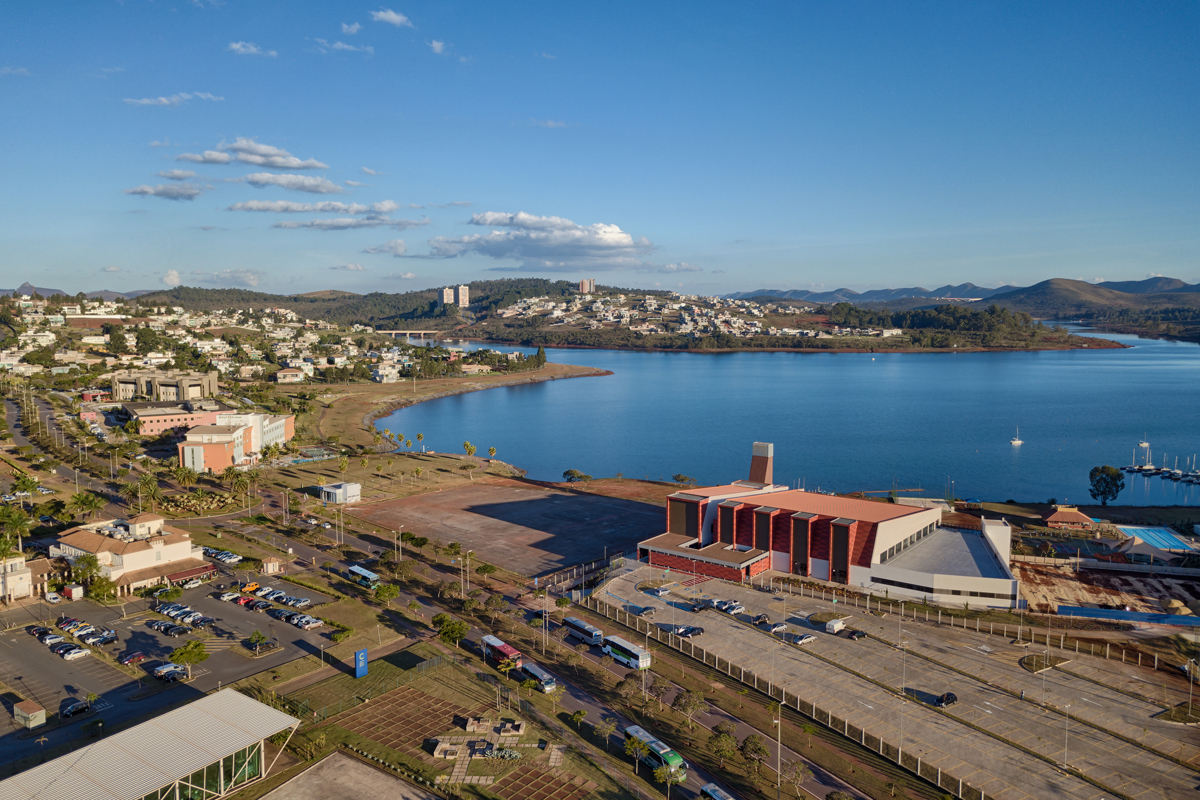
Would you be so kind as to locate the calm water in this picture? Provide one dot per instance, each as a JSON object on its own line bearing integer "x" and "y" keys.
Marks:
{"x": 847, "y": 421}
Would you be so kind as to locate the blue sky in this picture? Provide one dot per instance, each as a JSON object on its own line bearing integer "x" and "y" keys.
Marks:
{"x": 698, "y": 146}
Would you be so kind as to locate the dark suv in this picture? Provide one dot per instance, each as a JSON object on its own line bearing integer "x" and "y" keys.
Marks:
{"x": 947, "y": 700}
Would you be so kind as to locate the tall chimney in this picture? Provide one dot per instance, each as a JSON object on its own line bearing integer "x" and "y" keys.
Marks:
{"x": 762, "y": 463}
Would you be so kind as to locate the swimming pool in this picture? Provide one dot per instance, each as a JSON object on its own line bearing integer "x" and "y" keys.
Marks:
{"x": 1163, "y": 538}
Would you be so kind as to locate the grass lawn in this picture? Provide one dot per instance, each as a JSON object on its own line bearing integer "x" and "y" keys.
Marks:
{"x": 383, "y": 675}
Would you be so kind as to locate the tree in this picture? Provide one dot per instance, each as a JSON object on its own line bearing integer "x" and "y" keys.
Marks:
{"x": 627, "y": 688}
{"x": 91, "y": 699}
{"x": 562, "y": 602}
{"x": 754, "y": 749}
{"x": 659, "y": 688}
{"x": 385, "y": 593}
{"x": 85, "y": 568}
{"x": 575, "y": 476}
{"x": 723, "y": 746}
{"x": 529, "y": 684}
{"x": 485, "y": 570}
{"x": 491, "y": 452}
{"x": 506, "y": 666}
{"x": 258, "y": 639}
{"x": 556, "y": 696}
{"x": 578, "y": 717}
{"x": 451, "y": 631}
{"x": 669, "y": 776}
{"x": 689, "y": 703}
{"x": 637, "y": 750}
{"x": 495, "y": 604}
{"x": 1106, "y": 483}
{"x": 84, "y": 503}
{"x": 808, "y": 729}
{"x": 189, "y": 653}
{"x": 469, "y": 449}
{"x": 102, "y": 588}
{"x": 604, "y": 729}
{"x": 796, "y": 773}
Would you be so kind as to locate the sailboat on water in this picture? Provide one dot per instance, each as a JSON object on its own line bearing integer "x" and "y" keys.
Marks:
{"x": 1016, "y": 440}
{"x": 1143, "y": 442}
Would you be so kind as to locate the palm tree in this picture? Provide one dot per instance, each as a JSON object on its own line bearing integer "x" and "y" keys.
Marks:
{"x": 16, "y": 523}
{"x": 184, "y": 476}
{"x": 153, "y": 494}
{"x": 85, "y": 503}
{"x": 241, "y": 484}
{"x": 408, "y": 443}
{"x": 10, "y": 545}
{"x": 343, "y": 465}
{"x": 420, "y": 438}
{"x": 254, "y": 475}
{"x": 491, "y": 452}
{"x": 417, "y": 473}
{"x": 129, "y": 491}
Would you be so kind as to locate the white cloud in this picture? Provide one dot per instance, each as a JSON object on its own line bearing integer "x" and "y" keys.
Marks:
{"x": 14, "y": 71}
{"x": 404, "y": 276}
{"x": 173, "y": 100}
{"x": 370, "y": 171}
{"x": 295, "y": 183}
{"x": 250, "y": 49}
{"x": 236, "y": 277}
{"x": 547, "y": 55}
{"x": 164, "y": 143}
{"x": 549, "y": 123}
{"x": 682, "y": 266}
{"x": 396, "y": 247}
{"x": 350, "y": 30}
{"x": 173, "y": 191}
{"x": 264, "y": 155}
{"x": 171, "y": 278}
{"x": 176, "y": 174}
{"x": 459, "y": 203}
{"x": 437, "y": 47}
{"x": 349, "y": 48}
{"x": 207, "y": 157}
{"x": 326, "y": 207}
{"x": 546, "y": 243}
{"x": 391, "y": 18}
{"x": 355, "y": 183}
{"x": 349, "y": 268}
{"x": 110, "y": 269}
{"x": 349, "y": 223}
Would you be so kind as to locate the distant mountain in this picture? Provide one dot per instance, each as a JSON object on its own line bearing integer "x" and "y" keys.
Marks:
{"x": 1149, "y": 286}
{"x": 963, "y": 290}
{"x": 29, "y": 288}
{"x": 1062, "y": 297}
{"x": 105, "y": 294}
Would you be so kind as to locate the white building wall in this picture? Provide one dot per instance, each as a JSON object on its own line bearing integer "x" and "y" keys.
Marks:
{"x": 894, "y": 531}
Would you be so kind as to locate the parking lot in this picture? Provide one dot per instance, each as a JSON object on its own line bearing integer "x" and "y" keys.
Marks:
{"x": 890, "y": 691}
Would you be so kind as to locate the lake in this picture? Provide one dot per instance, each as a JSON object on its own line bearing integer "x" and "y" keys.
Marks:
{"x": 848, "y": 421}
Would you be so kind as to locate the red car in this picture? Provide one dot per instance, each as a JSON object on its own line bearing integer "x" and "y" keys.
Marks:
{"x": 133, "y": 658}
{"x": 247, "y": 600}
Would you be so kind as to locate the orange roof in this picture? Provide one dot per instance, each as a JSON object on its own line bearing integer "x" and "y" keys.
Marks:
{"x": 713, "y": 491}
{"x": 1073, "y": 515}
{"x": 827, "y": 505}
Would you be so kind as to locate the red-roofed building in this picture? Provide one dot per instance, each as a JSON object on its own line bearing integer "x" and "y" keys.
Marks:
{"x": 1068, "y": 517}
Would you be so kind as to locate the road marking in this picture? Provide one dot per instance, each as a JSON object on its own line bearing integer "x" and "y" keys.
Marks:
{"x": 993, "y": 705}
{"x": 984, "y": 710}
{"x": 1089, "y": 700}
{"x": 865, "y": 704}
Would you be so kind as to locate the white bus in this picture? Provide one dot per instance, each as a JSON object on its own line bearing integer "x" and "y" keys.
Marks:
{"x": 588, "y": 634}
{"x": 710, "y": 791}
{"x": 545, "y": 680}
{"x": 658, "y": 754}
{"x": 626, "y": 653}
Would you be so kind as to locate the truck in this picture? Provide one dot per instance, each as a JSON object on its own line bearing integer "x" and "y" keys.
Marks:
{"x": 834, "y": 625}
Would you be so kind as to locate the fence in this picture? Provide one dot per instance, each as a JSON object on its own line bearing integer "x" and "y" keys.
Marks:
{"x": 302, "y": 710}
{"x": 582, "y": 570}
{"x": 906, "y": 760}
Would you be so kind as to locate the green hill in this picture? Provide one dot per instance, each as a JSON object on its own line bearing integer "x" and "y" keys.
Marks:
{"x": 1149, "y": 286}
{"x": 1062, "y": 297}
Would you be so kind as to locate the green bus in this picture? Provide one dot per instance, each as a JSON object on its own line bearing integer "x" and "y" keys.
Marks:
{"x": 658, "y": 754}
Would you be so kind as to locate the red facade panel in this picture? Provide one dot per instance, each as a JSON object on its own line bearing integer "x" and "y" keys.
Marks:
{"x": 700, "y": 567}
{"x": 781, "y": 533}
{"x": 743, "y": 526}
{"x": 820, "y": 534}
{"x": 862, "y": 543}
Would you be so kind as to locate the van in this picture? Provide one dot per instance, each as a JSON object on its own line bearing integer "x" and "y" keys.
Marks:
{"x": 53, "y": 598}
{"x": 835, "y": 626}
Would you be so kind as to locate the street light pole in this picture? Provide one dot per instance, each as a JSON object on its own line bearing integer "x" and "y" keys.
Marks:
{"x": 1066, "y": 732}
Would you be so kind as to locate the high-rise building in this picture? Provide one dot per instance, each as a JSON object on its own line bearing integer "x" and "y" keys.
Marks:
{"x": 587, "y": 286}
{"x": 447, "y": 296}
{"x": 464, "y": 296}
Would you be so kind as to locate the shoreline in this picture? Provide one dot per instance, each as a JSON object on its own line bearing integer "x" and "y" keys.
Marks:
{"x": 1103, "y": 344}
{"x": 385, "y": 409}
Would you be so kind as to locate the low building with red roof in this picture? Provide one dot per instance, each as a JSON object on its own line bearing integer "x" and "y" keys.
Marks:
{"x": 1069, "y": 518}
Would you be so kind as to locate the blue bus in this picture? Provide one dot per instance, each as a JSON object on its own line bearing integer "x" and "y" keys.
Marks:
{"x": 589, "y": 634}
{"x": 545, "y": 680}
{"x": 363, "y": 577}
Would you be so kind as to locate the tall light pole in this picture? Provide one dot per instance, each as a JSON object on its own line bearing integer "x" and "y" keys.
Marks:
{"x": 1066, "y": 732}
{"x": 778, "y": 749}
{"x": 1045, "y": 669}
{"x": 903, "y": 691}
{"x": 1189, "y": 671}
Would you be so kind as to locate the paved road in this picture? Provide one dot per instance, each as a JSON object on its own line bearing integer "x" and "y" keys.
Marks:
{"x": 986, "y": 697}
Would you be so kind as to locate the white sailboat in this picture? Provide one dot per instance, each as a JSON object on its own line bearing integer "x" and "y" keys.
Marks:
{"x": 1016, "y": 440}
{"x": 1143, "y": 442}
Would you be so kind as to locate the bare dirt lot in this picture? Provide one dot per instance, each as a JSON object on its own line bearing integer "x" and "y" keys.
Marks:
{"x": 1044, "y": 584}
{"x": 531, "y": 532}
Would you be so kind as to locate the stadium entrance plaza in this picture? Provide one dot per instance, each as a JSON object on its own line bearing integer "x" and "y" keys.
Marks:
{"x": 989, "y": 694}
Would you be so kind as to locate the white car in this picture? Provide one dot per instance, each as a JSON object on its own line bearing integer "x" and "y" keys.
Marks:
{"x": 53, "y": 598}
{"x": 326, "y": 525}
{"x": 807, "y": 638}
{"x": 192, "y": 584}
{"x": 71, "y": 655}
{"x": 229, "y": 596}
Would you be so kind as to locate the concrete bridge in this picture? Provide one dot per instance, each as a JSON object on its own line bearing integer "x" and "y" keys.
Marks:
{"x": 419, "y": 334}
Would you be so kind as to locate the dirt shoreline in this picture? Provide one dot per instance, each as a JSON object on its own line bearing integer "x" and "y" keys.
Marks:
{"x": 385, "y": 409}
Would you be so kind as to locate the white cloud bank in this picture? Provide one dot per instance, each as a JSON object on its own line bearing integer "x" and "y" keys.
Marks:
{"x": 546, "y": 243}
{"x": 326, "y": 207}
{"x": 348, "y": 268}
{"x": 249, "y": 151}
{"x": 351, "y": 223}
{"x": 177, "y": 174}
{"x": 171, "y": 191}
{"x": 396, "y": 247}
{"x": 249, "y": 49}
{"x": 230, "y": 277}
{"x": 404, "y": 276}
{"x": 294, "y": 183}
{"x": 350, "y": 30}
{"x": 391, "y": 18}
{"x": 173, "y": 100}
{"x": 348, "y": 48}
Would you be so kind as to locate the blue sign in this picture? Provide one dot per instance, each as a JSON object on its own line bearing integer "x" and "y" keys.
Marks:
{"x": 360, "y": 663}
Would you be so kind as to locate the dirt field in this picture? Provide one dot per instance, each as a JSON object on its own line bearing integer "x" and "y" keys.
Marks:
{"x": 524, "y": 530}
{"x": 1041, "y": 585}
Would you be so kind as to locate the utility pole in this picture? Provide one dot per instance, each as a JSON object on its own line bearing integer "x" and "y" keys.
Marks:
{"x": 1066, "y": 733}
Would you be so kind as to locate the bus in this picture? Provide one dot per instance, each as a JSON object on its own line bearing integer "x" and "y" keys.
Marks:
{"x": 545, "y": 680}
{"x": 588, "y": 634}
{"x": 657, "y": 753}
{"x": 625, "y": 653}
{"x": 363, "y": 577}
{"x": 710, "y": 791}
{"x": 497, "y": 652}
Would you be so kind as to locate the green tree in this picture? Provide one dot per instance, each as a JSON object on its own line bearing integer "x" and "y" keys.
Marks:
{"x": 258, "y": 639}
{"x": 796, "y": 773}
{"x": 1106, "y": 483}
{"x": 485, "y": 571}
{"x": 450, "y": 630}
{"x": 604, "y": 729}
{"x": 627, "y": 688}
{"x": 578, "y": 717}
{"x": 85, "y": 568}
{"x": 575, "y": 476}
{"x": 808, "y": 729}
{"x": 529, "y": 684}
{"x": 563, "y": 602}
{"x": 385, "y": 593}
{"x": 689, "y": 703}
{"x": 491, "y": 452}
{"x": 754, "y": 750}
{"x": 556, "y": 695}
{"x": 669, "y": 776}
{"x": 102, "y": 588}
{"x": 189, "y": 653}
{"x": 723, "y": 746}
{"x": 637, "y": 750}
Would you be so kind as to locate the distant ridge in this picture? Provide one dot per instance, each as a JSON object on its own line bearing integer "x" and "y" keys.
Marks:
{"x": 1149, "y": 286}
{"x": 1064, "y": 297}
{"x": 961, "y": 291}
{"x": 328, "y": 293}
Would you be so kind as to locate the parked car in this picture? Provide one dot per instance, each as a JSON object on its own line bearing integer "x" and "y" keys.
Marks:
{"x": 659, "y": 591}
{"x": 53, "y": 598}
{"x": 192, "y": 584}
{"x": 75, "y": 707}
{"x": 63, "y": 647}
{"x": 946, "y": 700}
{"x": 273, "y": 595}
{"x": 760, "y": 619}
{"x": 856, "y": 635}
{"x": 130, "y": 659}
{"x": 698, "y": 607}
{"x": 690, "y": 631}
{"x": 78, "y": 652}
{"x": 38, "y": 630}
{"x": 64, "y": 622}
{"x": 264, "y": 591}
{"x": 259, "y": 606}
{"x": 644, "y": 611}
{"x": 244, "y": 600}
{"x": 202, "y": 622}
{"x": 51, "y": 638}
{"x": 777, "y": 627}
{"x": 282, "y": 613}
{"x": 721, "y": 605}
{"x": 250, "y": 587}
{"x": 807, "y": 638}
{"x": 735, "y": 608}
{"x": 227, "y": 596}
{"x": 177, "y": 631}
{"x": 302, "y": 602}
